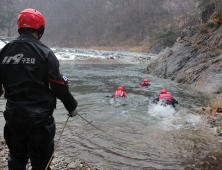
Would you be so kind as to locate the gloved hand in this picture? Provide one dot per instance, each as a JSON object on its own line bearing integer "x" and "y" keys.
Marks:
{"x": 74, "y": 112}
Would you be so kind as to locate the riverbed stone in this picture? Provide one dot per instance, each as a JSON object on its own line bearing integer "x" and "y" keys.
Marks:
{"x": 72, "y": 165}
{"x": 2, "y": 153}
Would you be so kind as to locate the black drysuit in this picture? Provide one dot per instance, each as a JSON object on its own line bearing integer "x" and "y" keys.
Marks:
{"x": 29, "y": 73}
{"x": 165, "y": 102}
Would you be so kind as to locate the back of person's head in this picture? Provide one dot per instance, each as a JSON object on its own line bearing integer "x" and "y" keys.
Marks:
{"x": 163, "y": 91}
{"x": 30, "y": 21}
{"x": 27, "y": 31}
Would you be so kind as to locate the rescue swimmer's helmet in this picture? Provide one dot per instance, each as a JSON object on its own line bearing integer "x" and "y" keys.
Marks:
{"x": 31, "y": 18}
{"x": 120, "y": 88}
{"x": 145, "y": 80}
{"x": 163, "y": 91}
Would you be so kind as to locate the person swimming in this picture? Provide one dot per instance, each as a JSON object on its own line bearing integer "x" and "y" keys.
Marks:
{"x": 145, "y": 83}
{"x": 120, "y": 93}
{"x": 165, "y": 99}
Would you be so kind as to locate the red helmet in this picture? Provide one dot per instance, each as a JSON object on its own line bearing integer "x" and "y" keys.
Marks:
{"x": 120, "y": 88}
{"x": 145, "y": 80}
{"x": 163, "y": 91}
{"x": 31, "y": 18}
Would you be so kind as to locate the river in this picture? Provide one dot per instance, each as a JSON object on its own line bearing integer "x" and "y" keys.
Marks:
{"x": 135, "y": 134}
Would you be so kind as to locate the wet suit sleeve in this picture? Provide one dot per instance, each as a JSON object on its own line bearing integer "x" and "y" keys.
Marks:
{"x": 1, "y": 79}
{"x": 125, "y": 94}
{"x": 175, "y": 101}
{"x": 59, "y": 84}
{"x": 1, "y": 89}
{"x": 155, "y": 100}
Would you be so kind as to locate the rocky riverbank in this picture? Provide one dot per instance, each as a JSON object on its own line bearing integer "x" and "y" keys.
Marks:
{"x": 195, "y": 58}
{"x": 189, "y": 63}
{"x": 214, "y": 121}
{"x": 58, "y": 163}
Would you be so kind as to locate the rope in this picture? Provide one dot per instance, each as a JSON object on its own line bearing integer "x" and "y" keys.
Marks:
{"x": 143, "y": 141}
{"x": 100, "y": 128}
{"x": 89, "y": 122}
{"x": 57, "y": 144}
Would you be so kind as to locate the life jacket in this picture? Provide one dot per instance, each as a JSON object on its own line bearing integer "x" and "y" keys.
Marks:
{"x": 166, "y": 97}
{"x": 119, "y": 93}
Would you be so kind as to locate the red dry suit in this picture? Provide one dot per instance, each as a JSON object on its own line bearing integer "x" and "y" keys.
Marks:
{"x": 119, "y": 93}
{"x": 143, "y": 84}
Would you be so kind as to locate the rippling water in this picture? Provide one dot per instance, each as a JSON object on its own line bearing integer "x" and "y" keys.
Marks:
{"x": 138, "y": 135}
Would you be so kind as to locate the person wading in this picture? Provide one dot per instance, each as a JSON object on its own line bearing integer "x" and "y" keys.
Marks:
{"x": 29, "y": 73}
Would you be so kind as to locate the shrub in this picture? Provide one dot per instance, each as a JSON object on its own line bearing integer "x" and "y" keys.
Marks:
{"x": 215, "y": 105}
{"x": 165, "y": 35}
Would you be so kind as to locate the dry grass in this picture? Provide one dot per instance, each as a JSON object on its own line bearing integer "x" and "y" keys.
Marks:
{"x": 203, "y": 31}
{"x": 215, "y": 105}
{"x": 143, "y": 48}
{"x": 105, "y": 48}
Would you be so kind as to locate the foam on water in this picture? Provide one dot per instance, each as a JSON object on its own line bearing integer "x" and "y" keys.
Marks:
{"x": 161, "y": 112}
{"x": 84, "y": 55}
{"x": 168, "y": 117}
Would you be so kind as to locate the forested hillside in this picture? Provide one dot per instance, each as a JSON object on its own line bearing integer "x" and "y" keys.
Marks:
{"x": 114, "y": 23}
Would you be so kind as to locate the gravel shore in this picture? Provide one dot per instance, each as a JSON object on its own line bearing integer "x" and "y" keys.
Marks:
{"x": 58, "y": 163}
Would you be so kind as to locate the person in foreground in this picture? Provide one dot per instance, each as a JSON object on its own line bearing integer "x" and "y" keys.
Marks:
{"x": 120, "y": 93}
{"x": 29, "y": 73}
{"x": 145, "y": 83}
{"x": 165, "y": 99}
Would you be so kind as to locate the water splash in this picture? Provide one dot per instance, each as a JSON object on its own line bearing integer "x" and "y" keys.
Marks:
{"x": 161, "y": 112}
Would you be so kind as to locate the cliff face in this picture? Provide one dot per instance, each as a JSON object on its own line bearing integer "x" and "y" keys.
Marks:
{"x": 195, "y": 58}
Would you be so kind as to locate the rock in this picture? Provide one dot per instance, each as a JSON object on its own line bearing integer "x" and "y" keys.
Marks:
{"x": 2, "y": 141}
{"x": 72, "y": 165}
{"x": 52, "y": 167}
{"x": 191, "y": 63}
{"x": 2, "y": 153}
{"x": 205, "y": 10}
{"x": 54, "y": 161}
{"x": 157, "y": 48}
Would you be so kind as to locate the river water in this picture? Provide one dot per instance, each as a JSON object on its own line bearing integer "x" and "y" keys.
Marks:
{"x": 134, "y": 134}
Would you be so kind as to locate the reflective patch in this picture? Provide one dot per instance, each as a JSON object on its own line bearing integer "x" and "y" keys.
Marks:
{"x": 65, "y": 79}
{"x": 20, "y": 59}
